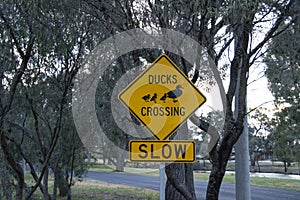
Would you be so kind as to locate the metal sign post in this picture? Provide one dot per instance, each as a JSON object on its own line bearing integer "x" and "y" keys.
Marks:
{"x": 162, "y": 181}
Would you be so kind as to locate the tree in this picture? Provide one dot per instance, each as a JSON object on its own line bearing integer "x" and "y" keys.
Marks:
{"x": 260, "y": 146}
{"x": 17, "y": 43}
{"x": 283, "y": 73}
{"x": 41, "y": 47}
{"x": 39, "y": 113}
{"x": 285, "y": 137}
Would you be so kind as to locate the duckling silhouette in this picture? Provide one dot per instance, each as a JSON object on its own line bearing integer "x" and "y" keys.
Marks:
{"x": 174, "y": 94}
{"x": 163, "y": 98}
{"x": 146, "y": 97}
{"x": 154, "y": 98}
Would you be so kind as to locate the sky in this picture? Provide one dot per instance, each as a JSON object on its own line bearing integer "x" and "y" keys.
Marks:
{"x": 258, "y": 91}
{"x": 258, "y": 94}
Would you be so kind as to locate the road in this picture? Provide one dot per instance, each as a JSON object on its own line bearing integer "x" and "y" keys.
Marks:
{"x": 227, "y": 189}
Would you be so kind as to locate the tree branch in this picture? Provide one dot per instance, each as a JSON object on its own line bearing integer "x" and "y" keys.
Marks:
{"x": 218, "y": 56}
{"x": 13, "y": 36}
{"x": 271, "y": 32}
{"x": 251, "y": 110}
{"x": 209, "y": 129}
{"x": 18, "y": 75}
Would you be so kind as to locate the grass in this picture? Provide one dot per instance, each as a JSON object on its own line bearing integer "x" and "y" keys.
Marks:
{"x": 277, "y": 183}
{"x": 228, "y": 178}
{"x": 258, "y": 181}
{"x": 143, "y": 171}
{"x": 100, "y": 168}
{"x": 89, "y": 189}
{"x": 130, "y": 170}
{"x": 99, "y": 190}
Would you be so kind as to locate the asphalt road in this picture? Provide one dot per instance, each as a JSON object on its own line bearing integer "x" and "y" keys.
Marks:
{"x": 227, "y": 189}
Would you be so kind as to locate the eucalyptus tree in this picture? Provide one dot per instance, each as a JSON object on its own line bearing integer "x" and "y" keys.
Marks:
{"x": 70, "y": 39}
{"x": 41, "y": 48}
{"x": 259, "y": 137}
{"x": 104, "y": 95}
{"x": 17, "y": 43}
{"x": 283, "y": 73}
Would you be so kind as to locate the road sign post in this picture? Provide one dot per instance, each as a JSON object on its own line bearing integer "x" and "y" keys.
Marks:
{"x": 162, "y": 98}
{"x": 162, "y": 181}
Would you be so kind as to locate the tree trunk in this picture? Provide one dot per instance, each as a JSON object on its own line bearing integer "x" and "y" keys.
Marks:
{"x": 55, "y": 184}
{"x": 189, "y": 179}
{"x": 6, "y": 186}
{"x": 285, "y": 166}
{"x": 180, "y": 179}
{"x": 171, "y": 192}
{"x": 180, "y": 182}
{"x": 252, "y": 160}
{"x": 258, "y": 166}
{"x": 14, "y": 165}
{"x": 61, "y": 183}
{"x": 214, "y": 183}
{"x": 69, "y": 193}
{"x": 109, "y": 158}
{"x": 120, "y": 163}
{"x": 219, "y": 159}
{"x": 20, "y": 187}
{"x": 45, "y": 187}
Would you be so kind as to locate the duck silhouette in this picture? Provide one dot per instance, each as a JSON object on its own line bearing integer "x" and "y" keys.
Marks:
{"x": 154, "y": 98}
{"x": 146, "y": 97}
{"x": 163, "y": 98}
{"x": 174, "y": 94}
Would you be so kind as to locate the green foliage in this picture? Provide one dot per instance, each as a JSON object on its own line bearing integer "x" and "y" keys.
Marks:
{"x": 283, "y": 73}
{"x": 283, "y": 61}
{"x": 39, "y": 124}
{"x": 285, "y": 136}
{"x": 260, "y": 146}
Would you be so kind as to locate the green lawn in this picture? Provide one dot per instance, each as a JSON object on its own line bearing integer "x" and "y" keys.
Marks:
{"x": 100, "y": 168}
{"x": 130, "y": 170}
{"x": 258, "y": 181}
{"x": 97, "y": 190}
{"x": 100, "y": 192}
{"x": 277, "y": 183}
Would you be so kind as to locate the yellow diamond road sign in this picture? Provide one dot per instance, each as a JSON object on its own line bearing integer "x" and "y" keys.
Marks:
{"x": 162, "y": 97}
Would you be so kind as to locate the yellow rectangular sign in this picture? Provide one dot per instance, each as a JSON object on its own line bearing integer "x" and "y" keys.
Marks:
{"x": 162, "y": 151}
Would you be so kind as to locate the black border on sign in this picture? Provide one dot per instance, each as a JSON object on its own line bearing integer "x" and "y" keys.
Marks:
{"x": 165, "y": 141}
{"x": 144, "y": 72}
